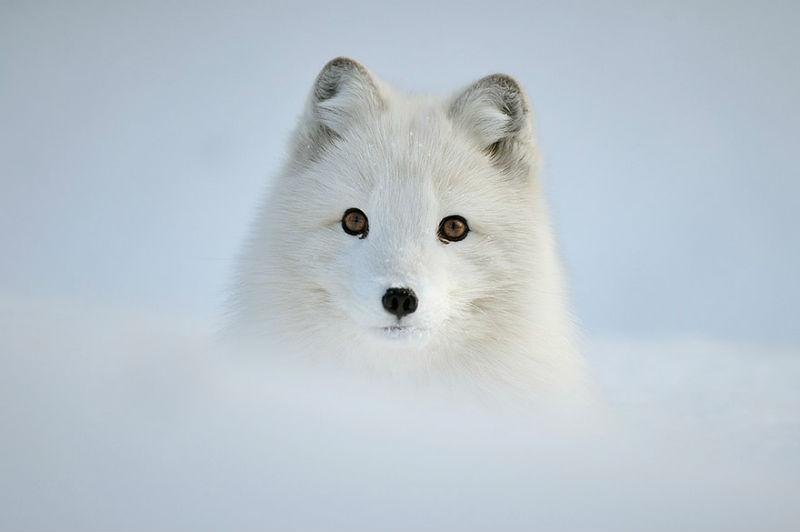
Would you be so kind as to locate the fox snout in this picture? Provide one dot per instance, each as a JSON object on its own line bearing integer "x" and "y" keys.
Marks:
{"x": 400, "y": 301}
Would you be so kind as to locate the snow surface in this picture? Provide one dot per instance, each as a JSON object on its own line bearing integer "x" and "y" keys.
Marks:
{"x": 127, "y": 421}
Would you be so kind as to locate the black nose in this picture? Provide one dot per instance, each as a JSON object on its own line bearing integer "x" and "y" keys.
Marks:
{"x": 400, "y": 301}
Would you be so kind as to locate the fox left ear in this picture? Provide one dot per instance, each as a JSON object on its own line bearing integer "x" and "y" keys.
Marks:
{"x": 494, "y": 111}
{"x": 344, "y": 93}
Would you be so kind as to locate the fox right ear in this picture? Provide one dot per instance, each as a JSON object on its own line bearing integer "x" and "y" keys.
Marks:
{"x": 495, "y": 112}
{"x": 344, "y": 93}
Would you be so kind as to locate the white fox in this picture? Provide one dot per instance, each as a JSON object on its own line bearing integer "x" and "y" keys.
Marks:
{"x": 408, "y": 235}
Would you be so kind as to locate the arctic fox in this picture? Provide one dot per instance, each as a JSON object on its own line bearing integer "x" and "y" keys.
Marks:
{"x": 408, "y": 235}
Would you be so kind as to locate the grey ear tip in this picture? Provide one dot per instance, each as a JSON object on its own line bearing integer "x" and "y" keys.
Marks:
{"x": 503, "y": 80}
{"x": 514, "y": 98}
{"x": 329, "y": 78}
{"x": 341, "y": 62}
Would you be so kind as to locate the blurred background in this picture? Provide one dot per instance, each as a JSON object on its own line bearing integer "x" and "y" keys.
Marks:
{"x": 136, "y": 139}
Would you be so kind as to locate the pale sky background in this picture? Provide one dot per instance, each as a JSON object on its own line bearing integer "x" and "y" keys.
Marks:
{"x": 135, "y": 139}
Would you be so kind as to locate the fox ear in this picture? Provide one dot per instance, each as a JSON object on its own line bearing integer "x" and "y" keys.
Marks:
{"x": 494, "y": 111}
{"x": 344, "y": 93}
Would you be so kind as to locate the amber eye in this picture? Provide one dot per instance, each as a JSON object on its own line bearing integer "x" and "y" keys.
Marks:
{"x": 453, "y": 229}
{"x": 354, "y": 222}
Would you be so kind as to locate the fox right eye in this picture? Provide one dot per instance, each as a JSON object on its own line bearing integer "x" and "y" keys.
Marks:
{"x": 355, "y": 222}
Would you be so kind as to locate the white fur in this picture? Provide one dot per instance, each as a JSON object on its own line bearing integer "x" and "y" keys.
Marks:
{"x": 492, "y": 309}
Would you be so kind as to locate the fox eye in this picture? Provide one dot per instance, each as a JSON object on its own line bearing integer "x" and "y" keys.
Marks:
{"x": 355, "y": 222}
{"x": 452, "y": 229}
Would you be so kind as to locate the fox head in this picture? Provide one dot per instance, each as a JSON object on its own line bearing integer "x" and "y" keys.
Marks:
{"x": 408, "y": 228}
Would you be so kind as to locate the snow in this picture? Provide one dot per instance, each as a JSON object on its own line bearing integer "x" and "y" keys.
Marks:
{"x": 125, "y": 420}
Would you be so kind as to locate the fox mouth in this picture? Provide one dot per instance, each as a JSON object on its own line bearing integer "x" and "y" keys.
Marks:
{"x": 400, "y": 331}
{"x": 396, "y": 328}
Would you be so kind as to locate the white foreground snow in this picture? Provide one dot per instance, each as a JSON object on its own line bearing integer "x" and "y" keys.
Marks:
{"x": 123, "y": 422}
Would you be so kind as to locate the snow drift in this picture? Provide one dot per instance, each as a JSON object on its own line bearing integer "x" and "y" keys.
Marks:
{"x": 116, "y": 420}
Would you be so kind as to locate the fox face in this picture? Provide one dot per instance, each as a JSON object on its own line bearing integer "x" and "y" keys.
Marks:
{"x": 404, "y": 224}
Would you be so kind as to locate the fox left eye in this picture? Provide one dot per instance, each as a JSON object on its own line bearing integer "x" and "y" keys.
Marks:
{"x": 453, "y": 228}
{"x": 355, "y": 222}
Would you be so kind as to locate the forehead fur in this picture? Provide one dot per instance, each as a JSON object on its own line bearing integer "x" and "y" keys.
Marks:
{"x": 411, "y": 145}
{"x": 358, "y": 134}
